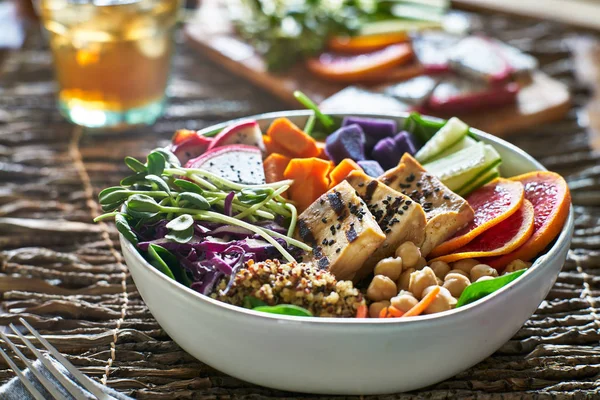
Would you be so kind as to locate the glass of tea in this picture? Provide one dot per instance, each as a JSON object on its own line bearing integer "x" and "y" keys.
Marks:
{"x": 112, "y": 58}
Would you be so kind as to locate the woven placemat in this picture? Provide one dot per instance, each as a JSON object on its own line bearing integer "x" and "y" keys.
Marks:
{"x": 64, "y": 274}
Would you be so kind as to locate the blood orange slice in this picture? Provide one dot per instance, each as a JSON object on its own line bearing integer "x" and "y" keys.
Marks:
{"x": 492, "y": 204}
{"x": 502, "y": 239}
{"x": 352, "y": 68}
{"x": 365, "y": 43}
{"x": 551, "y": 199}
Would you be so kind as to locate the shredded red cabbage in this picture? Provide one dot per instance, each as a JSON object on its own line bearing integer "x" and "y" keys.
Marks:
{"x": 215, "y": 252}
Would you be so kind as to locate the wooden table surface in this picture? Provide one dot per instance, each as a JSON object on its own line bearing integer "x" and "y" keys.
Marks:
{"x": 64, "y": 274}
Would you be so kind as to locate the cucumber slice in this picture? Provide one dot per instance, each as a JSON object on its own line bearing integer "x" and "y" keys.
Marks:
{"x": 457, "y": 164}
{"x": 460, "y": 170}
{"x": 450, "y": 134}
{"x": 465, "y": 142}
{"x": 396, "y": 26}
{"x": 481, "y": 181}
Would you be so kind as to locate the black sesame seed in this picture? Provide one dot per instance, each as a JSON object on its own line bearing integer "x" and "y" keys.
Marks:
{"x": 405, "y": 208}
{"x": 361, "y": 184}
{"x": 338, "y": 250}
{"x": 446, "y": 197}
{"x": 410, "y": 178}
{"x": 324, "y": 220}
{"x": 419, "y": 184}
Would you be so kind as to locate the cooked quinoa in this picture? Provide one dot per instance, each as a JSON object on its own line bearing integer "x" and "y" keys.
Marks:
{"x": 303, "y": 284}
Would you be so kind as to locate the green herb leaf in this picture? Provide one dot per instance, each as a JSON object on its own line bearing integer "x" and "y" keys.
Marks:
{"x": 110, "y": 207}
{"x": 326, "y": 120}
{"x": 169, "y": 156}
{"x": 181, "y": 223}
{"x": 189, "y": 186}
{"x": 156, "y": 163}
{"x": 195, "y": 200}
{"x": 106, "y": 191}
{"x": 165, "y": 258}
{"x": 134, "y": 164}
{"x": 117, "y": 196}
{"x": 253, "y": 302}
{"x": 479, "y": 290}
{"x": 143, "y": 203}
{"x": 131, "y": 179}
{"x": 157, "y": 261}
{"x": 254, "y": 196}
{"x": 183, "y": 236}
{"x": 159, "y": 183}
{"x": 285, "y": 309}
{"x": 124, "y": 228}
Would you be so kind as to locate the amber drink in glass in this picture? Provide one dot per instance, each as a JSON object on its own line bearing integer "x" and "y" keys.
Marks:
{"x": 112, "y": 58}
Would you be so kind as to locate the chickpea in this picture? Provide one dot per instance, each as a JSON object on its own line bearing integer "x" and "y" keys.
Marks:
{"x": 375, "y": 308}
{"x": 422, "y": 263}
{"x": 409, "y": 253}
{"x": 419, "y": 280}
{"x": 440, "y": 268}
{"x": 516, "y": 265}
{"x": 405, "y": 279}
{"x": 465, "y": 265}
{"x": 381, "y": 288}
{"x": 458, "y": 271}
{"x": 482, "y": 270}
{"x": 456, "y": 283}
{"x": 404, "y": 301}
{"x": 390, "y": 267}
{"x": 484, "y": 278}
{"x": 442, "y": 302}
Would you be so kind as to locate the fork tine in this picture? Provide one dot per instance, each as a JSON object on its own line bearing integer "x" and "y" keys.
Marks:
{"x": 50, "y": 387}
{"x": 83, "y": 380}
{"x": 34, "y": 392}
{"x": 68, "y": 385}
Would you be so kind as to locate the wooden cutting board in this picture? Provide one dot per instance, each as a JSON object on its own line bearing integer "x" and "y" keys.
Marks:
{"x": 211, "y": 33}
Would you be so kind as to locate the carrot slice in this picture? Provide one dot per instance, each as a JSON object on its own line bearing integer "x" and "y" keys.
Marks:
{"x": 310, "y": 177}
{"x": 273, "y": 147}
{"x": 383, "y": 313}
{"x": 503, "y": 238}
{"x": 284, "y": 134}
{"x": 394, "y": 312}
{"x": 352, "y": 68}
{"x": 492, "y": 204}
{"x": 551, "y": 199}
{"x": 342, "y": 170}
{"x": 322, "y": 154}
{"x": 423, "y": 304}
{"x": 365, "y": 43}
{"x": 274, "y": 166}
{"x": 362, "y": 310}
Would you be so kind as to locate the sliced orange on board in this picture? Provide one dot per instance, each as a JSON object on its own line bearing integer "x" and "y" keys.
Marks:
{"x": 551, "y": 199}
{"x": 492, "y": 204}
{"x": 365, "y": 43}
{"x": 501, "y": 239}
{"x": 351, "y": 68}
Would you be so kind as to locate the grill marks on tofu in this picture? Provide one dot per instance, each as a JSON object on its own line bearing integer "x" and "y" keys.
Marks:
{"x": 341, "y": 231}
{"x": 446, "y": 212}
{"x": 400, "y": 218}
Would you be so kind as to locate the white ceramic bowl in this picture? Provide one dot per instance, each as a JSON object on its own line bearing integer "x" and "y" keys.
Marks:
{"x": 349, "y": 356}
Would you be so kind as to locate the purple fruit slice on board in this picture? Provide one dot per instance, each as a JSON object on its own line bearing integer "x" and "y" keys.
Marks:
{"x": 431, "y": 49}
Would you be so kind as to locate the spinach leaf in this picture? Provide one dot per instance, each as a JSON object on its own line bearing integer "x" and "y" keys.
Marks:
{"x": 164, "y": 260}
{"x": 143, "y": 203}
{"x": 479, "y": 290}
{"x": 254, "y": 196}
{"x": 253, "y": 302}
{"x": 131, "y": 179}
{"x": 159, "y": 183}
{"x": 182, "y": 236}
{"x": 194, "y": 200}
{"x": 285, "y": 309}
{"x": 180, "y": 223}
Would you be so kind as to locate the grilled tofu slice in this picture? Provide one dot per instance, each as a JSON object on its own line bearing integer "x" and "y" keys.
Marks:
{"x": 400, "y": 218}
{"x": 446, "y": 212}
{"x": 341, "y": 231}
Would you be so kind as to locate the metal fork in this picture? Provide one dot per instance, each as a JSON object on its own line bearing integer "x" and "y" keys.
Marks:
{"x": 51, "y": 387}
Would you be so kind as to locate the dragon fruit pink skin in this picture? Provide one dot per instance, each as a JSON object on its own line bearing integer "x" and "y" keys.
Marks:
{"x": 238, "y": 163}
{"x": 190, "y": 148}
{"x": 245, "y": 132}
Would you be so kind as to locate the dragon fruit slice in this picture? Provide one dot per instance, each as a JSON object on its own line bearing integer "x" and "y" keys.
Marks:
{"x": 244, "y": 132}
{"x": 238, "y": 163}
{"x": 188, "y": 144}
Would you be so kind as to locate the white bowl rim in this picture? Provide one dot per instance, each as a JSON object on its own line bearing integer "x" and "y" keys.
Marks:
{"x": 462, "y": 312}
